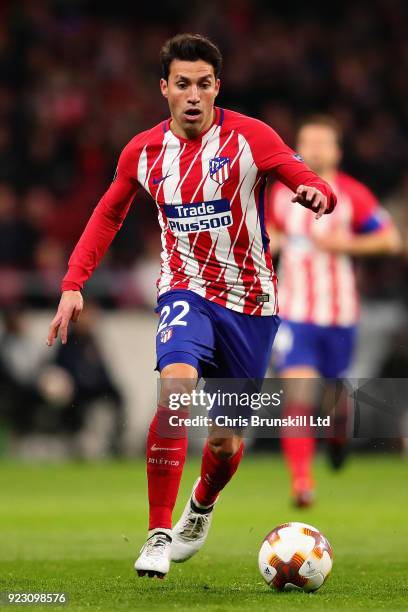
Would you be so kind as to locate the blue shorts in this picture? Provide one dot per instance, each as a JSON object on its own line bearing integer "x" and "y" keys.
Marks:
{"x": 327, "y": 349}
{"x": 217, "y": 341}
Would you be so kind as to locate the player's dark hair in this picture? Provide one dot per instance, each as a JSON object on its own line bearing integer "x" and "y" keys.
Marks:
{"x": 324, "y": 120}
{"x": 190, "y": 48}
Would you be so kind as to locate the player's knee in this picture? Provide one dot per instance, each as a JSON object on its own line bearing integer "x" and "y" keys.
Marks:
{"x": 225, "y": 448}
{"x": 177, "y": 380}
{"x": 179, "y": 371}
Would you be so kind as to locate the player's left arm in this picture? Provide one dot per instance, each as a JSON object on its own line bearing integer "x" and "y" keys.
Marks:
{"x": 373, "y": 231}
{"x": 273, "y": 156}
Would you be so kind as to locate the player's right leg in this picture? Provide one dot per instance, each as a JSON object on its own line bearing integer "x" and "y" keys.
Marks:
{"x": 166, "y": 450}
{"x": 184, "y": 340}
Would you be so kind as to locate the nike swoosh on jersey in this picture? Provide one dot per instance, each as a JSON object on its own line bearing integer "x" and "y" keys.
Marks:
{"x": 157, "y": 181}
{"x": 161, "y": 448}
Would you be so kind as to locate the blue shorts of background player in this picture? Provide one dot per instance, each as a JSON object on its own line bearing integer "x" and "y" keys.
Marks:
{"x": 217, "y": 341}
{"x": 327, "y": 349}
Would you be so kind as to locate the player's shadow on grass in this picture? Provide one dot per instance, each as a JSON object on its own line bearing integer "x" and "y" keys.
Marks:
{"x": 185, "y": 588}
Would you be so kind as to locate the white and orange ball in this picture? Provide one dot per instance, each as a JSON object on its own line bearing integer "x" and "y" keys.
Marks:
{"x": 295, "y": 556}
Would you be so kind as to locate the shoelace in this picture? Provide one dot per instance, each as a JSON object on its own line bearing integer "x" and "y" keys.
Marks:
{"x": 155, "y": 545}
{"x": 194, "y": 526}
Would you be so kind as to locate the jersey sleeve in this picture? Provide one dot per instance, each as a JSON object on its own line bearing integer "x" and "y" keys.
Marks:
{"x": 368, "y": 216}
{"x": 104, "y": 223}
{"x": 272, "y": 155}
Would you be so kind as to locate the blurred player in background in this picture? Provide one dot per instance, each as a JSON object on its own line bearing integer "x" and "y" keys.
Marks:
{"x": 319, "y": 304}
{"x": 206, "y": 169}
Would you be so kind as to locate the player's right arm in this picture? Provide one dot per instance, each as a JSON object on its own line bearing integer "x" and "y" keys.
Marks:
{"x": 105, "y": 222}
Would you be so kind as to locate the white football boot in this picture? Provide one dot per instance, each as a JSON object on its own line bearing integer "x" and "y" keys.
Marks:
{"x": 191, "y": 531}
{"x": 154, "y": 558}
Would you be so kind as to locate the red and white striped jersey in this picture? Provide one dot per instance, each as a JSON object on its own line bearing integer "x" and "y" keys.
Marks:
{"x": 209, "y": 194}
{"x": 316, "y": 286}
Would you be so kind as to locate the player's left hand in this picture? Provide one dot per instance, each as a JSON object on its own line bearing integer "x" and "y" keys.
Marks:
{"x": 312, "y": 198}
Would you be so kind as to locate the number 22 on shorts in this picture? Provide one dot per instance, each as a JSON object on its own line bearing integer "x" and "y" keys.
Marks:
{"x": 180, "y": 309}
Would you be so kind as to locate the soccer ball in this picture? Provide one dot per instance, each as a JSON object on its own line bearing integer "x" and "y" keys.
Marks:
{"x": 295, "y": 556}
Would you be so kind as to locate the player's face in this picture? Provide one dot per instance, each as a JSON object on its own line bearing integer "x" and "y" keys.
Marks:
{"x": 318, "y": 146}
{"x": 190, "y": 90}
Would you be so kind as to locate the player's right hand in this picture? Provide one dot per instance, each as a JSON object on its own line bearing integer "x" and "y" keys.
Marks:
{"x": 69, "y": 309}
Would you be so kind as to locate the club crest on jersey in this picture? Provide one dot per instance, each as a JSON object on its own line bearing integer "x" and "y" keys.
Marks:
{"x": 166, "y": 334}
{"x": 220, "y": 169}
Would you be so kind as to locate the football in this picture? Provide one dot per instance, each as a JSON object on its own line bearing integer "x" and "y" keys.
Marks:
{"x": 295, "y": 556}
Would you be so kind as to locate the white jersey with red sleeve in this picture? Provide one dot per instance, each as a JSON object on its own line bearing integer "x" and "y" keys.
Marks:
{"x": 209, "y": 194}
{"x": 316, "y": 286}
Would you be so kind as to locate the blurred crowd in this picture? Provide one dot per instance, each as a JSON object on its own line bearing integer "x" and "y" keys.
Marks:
{"x": 79, "y": 79}
{"x": 61, "y": 403}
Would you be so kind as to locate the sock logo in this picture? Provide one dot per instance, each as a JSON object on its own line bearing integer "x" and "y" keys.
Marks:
{"x": 161, "y": 461}
{"x": 161, "y": 448}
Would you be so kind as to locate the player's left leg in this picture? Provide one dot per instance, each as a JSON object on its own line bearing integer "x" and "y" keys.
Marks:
{"x": 220, "y": 460}
{"x": 244, "y": 345}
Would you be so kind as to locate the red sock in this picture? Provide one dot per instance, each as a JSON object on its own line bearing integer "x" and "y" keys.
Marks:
{"x": 216, "y": 472}
{"x": 298, "y": 452}
{"x": 165, "y": 455}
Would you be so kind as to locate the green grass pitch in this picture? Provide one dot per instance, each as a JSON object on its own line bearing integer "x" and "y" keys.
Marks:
{"x": 78, "y": 528}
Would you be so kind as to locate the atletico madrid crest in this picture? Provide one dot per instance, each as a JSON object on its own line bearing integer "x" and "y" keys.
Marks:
{"x": 166, "y": 334}
{"x": 220, "y": 169}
